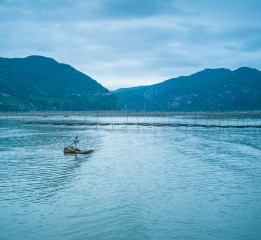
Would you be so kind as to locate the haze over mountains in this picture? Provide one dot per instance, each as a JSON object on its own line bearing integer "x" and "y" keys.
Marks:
{"x": 40, "y": 83}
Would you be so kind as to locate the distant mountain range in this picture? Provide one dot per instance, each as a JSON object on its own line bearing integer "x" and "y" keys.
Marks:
{"x": 40, "y": 83}
{"x": 208, "y": 90}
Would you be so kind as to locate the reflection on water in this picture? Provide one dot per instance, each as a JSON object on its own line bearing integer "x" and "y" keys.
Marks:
{"x": 140, "y": 183}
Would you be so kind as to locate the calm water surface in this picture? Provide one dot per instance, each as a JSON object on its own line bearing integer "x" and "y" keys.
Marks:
{"x": 140, "y": 183}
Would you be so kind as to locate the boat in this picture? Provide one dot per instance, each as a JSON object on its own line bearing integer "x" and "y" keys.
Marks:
{"x": 73, "y": 150}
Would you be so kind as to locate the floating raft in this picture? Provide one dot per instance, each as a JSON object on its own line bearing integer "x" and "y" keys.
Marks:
{"x": 72, "y": 150}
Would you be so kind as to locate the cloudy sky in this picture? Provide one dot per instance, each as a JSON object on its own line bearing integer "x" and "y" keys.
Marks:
{"x": 123, "y": 43}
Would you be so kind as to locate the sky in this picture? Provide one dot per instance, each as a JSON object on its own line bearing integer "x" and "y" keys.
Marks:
{"x": 126, "y": 43}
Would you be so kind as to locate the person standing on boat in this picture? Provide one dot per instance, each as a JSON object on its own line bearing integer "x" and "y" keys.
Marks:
{"x": 76, "y": 141}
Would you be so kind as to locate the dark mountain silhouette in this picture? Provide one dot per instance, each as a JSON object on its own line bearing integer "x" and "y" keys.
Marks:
{"x": 40, "y": 83}
{"x": 208, "y": 90}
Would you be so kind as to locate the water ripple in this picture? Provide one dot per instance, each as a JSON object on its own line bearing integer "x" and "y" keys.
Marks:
{"x": 138, "y": 184}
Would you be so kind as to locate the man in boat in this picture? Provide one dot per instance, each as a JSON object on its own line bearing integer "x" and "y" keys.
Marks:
{"x": 75, "y": 142}
{"x": 73, "y": 147}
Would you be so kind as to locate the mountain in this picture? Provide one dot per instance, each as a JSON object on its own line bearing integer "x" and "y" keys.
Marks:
{"x": 208, "y": 90}
{"x": 41, "y": 83}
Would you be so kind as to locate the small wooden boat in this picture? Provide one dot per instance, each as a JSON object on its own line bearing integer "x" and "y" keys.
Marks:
{"x": 73, "y": 150}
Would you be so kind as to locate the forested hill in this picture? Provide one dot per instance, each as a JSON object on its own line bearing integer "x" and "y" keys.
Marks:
{"x": 208, "y": 90}
{"x": 40, "y": 83}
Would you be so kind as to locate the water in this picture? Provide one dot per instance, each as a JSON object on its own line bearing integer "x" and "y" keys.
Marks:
{"x": 140, "y": 183}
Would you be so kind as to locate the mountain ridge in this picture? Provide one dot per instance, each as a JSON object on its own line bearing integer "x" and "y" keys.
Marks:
{"x": 41, "y": 83}
{"x": 218, "y": 89}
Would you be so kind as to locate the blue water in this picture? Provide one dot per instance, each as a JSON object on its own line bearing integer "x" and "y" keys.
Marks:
{"x": 140, "y": 183}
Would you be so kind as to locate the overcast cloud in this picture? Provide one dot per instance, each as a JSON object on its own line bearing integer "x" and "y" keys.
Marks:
{"x": 123, "y": 43}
